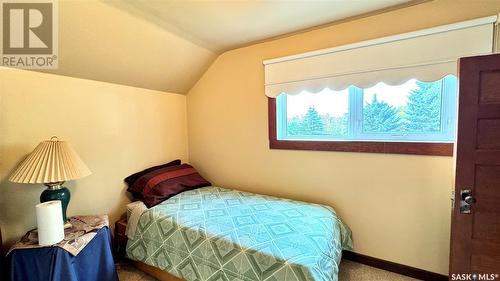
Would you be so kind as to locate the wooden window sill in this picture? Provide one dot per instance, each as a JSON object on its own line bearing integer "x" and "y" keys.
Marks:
{"x": 438, "y": 149}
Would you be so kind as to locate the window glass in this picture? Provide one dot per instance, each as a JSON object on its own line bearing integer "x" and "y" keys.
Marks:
{"x": 413, "y": 111}
{"x": 413, "y": 107}
{"x": 317, "y": 114}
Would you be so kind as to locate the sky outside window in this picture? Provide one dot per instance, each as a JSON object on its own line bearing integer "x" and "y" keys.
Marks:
{"x": 413, "y": 109}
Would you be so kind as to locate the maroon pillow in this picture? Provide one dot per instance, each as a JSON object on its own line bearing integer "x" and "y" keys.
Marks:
{"x": 160, "y": 184}
{"x": 132, "y": 178}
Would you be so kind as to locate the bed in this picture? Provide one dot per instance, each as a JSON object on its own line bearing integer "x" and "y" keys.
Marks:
{"x": 213, "y": 233}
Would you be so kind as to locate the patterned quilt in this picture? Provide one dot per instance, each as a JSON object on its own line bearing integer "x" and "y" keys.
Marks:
{"x": 212, "y": 233}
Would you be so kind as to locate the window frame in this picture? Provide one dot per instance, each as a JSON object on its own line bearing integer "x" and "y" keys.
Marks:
{"x": 370, "y": 143}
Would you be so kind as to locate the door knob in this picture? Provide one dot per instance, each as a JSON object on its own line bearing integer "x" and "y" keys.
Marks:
{"x": 470, "y": 199}
{"x": 466, "y": 200}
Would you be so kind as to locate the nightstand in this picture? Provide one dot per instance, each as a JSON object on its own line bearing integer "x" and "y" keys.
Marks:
{"x": 120, "y": 237}
{"x": 94, "y": 261}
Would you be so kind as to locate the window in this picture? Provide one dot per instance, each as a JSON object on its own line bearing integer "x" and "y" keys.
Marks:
{"x": 411, "y": 112}
{"x": 412, "y": 109}
{"x": 416, "y": 111}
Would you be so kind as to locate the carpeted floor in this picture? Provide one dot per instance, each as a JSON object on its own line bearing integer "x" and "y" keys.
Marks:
{"x": 349, "y": 271}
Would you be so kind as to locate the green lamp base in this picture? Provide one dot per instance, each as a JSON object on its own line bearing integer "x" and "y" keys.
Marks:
{"x": 57, "y": 192}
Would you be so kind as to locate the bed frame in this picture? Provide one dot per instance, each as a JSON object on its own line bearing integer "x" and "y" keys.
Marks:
{"x": 155, "y": 272}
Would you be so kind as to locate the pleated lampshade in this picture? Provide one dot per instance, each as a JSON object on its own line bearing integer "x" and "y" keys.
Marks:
{"x": 52, "y": 161}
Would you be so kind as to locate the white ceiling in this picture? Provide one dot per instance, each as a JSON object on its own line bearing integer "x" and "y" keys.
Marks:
{"x": 225, "y": 24}
{"x": 167, "y": 45}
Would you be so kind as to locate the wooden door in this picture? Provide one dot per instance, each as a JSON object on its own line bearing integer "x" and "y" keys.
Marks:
{"x": 475, "y": 237}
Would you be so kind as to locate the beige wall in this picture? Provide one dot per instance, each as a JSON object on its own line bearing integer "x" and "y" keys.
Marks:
{"x": 117, "y": 130}
{"x": 398, "y": 206}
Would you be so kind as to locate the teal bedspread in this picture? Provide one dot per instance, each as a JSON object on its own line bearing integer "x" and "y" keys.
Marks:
{"x": 213, "y": 233}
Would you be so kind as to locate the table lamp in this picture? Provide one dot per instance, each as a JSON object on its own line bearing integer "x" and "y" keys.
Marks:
{"x": 52, "y": 163}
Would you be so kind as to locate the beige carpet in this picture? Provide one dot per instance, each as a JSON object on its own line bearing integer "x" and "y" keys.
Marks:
{"x": 349, "y": 271}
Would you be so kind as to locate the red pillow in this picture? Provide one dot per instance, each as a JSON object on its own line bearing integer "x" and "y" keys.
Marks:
{"x": 160, "y": 184}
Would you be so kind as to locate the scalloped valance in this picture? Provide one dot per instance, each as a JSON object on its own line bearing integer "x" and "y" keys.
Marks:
{"x": 426, "y": 55}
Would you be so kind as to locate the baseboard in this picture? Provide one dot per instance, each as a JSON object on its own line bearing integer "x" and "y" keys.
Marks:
{"x": 394, "y": 267}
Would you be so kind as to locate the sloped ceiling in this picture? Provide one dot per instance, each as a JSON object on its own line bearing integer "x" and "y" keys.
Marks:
{"x": 100, "y": 42}
{"x": 166, "y": 45}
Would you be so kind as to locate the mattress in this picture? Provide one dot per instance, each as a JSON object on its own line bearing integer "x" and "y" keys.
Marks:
{"x": 213, "y": 233}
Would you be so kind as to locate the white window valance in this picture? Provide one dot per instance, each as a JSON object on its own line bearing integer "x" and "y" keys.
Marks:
{"x": 426, "y": 55}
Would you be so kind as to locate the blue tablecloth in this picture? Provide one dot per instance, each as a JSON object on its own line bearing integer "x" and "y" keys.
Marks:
{"x": 94, "y": 263}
